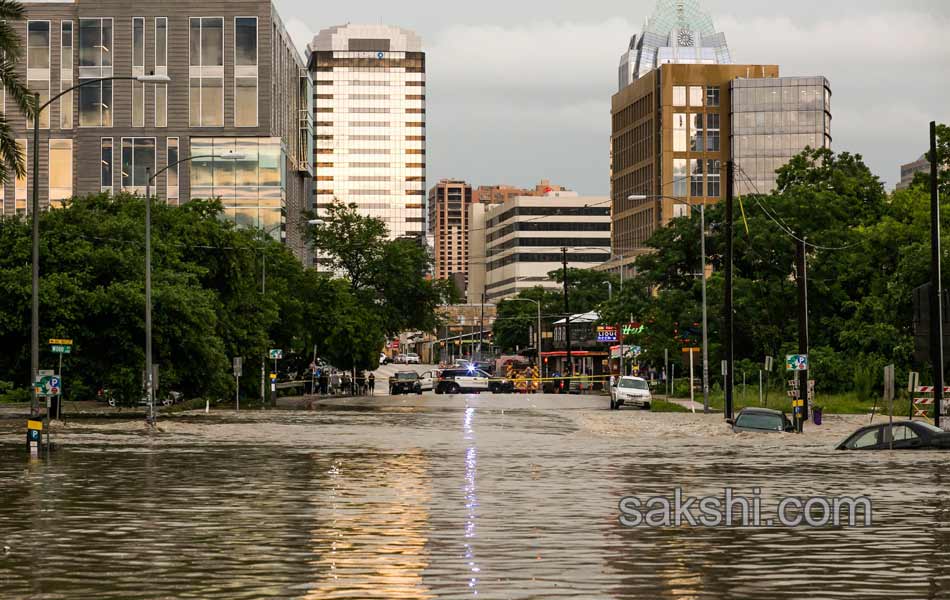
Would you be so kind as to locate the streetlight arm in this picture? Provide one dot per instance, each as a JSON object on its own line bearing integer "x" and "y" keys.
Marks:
{"x": 178, "y": 162}
{"x": 86, "y": 82}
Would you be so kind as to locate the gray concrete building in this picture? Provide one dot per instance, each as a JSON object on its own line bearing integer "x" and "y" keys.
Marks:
{"x": 523, "y": 238}
{"x": 910, "y": 170}
{"x": 237, "y": 84}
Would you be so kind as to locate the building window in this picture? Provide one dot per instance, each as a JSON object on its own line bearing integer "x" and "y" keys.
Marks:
{"x": 245, "y": 71}
{"x": 161, "y": 68}
{"x": 138, "y": 69}
{"x": 712, "y": 132}
{"x": 712, "y": 96}
{"x": 60, "y": 171}
{"x": 696, "y": 177}
{"x": 19, "y": 186}
{"x": 38, "y": 65}
{"x": 696, "y": 133}
{"x": 171, "y": 174}
{"x": 679, "y": 95}
{"x": 95, "y": 61}
{"x": 206, "y": 72}
{"x": 713, "y": 177}
{"x": 66, "y": 75}
{"x": 105, "y": 169}
{"x": 696, "y": 93}
{"x": 138, "y": 154}
{"x": 679, "y": 132}
{"x": 680, "y": 177}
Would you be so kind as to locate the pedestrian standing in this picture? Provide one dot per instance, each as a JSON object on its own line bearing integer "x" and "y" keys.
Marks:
{"x": 372, "y": 384}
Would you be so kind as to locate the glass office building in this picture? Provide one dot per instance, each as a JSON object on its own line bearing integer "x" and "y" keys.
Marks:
{"x": 774, "y": 119}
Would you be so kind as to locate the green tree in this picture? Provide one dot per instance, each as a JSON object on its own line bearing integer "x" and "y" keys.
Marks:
{"x": 11, "y": 53}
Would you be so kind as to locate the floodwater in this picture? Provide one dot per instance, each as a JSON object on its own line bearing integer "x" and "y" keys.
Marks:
{"x": 466, "y": 497}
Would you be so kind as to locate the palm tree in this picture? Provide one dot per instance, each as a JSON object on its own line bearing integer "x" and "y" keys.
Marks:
{"x": 11, "y": 161}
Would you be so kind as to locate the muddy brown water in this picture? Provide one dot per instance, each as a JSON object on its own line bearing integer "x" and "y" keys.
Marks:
{"x": 468, "y": 497}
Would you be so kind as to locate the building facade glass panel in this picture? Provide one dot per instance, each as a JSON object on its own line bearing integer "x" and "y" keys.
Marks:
{"x": 19, "y": 185}
{"x": 38, "y": 66}
{"x": 66, "y": 74}
{"x": 245, "y": 72}
{"x": 206, "y": 71}
{"x": 138, "y": 159}
{"x": 171, "y": 174}
{"x": 95, "y": 62}
{"x": 679, "y": 132}
{"x": 138, "y": 69}
{"x": 105, "y": 165}
{"x": 60, "y": 171}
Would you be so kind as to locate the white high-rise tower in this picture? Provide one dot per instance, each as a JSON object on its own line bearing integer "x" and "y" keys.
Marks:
{"x": 370, "y": 123}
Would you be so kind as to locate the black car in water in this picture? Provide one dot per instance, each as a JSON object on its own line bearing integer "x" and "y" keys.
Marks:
{"x": 761, "y": 420}
{"x": 405, "y": 382}
{"x": 907, "y": 435}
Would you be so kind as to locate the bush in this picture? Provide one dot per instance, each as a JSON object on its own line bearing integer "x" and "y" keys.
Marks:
{"x": 865, "y": 381}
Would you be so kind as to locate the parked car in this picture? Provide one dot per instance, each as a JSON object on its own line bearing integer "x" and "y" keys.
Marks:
{"x": 428, "y": 380}
{"x": 630, "y": 391}
{"x": 383, "y": 359}
{"x": 411, "y": 358}
{"x": 908, "y": 435}
{"x": 761, "y": 420}
{"x": 405, "y": 382}
{"x": 470, "y": 380}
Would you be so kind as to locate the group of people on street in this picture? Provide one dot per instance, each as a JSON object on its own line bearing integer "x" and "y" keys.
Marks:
{"x": 328, "y": 383}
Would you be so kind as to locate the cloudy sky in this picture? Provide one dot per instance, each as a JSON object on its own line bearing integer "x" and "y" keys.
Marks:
{"x": 519, "y": 91}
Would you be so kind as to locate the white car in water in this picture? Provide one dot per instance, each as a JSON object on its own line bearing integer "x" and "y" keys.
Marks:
{"x": 631, "y": 391}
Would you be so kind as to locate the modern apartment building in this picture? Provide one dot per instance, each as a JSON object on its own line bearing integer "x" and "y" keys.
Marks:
{"x": 910, "y": 170}
{"x": 676, "y": 126}
{"x": 237, "y": 84}
{"x": 370, "y": 123}
{"x": 523, "y": 238}
{"x": 448, "y": 225}
{"x": 773, "y": 120}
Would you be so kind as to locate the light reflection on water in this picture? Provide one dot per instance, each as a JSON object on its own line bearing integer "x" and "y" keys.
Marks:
{"x": 472, "y": 501}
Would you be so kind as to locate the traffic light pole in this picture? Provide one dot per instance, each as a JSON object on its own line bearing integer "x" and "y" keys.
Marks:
{"x": 567, "y": 323}
{"x": 936, "y": 287}
{"x": 801, "y": 268}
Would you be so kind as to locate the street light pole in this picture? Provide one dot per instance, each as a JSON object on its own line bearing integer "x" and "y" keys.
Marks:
{"x": 150, "y": 391}
{"x": 702, "y": 249}
{"x": 35, "y": 317}
{"x": 702, "y": 238}
{"x": 35, "y": 207}
{"x": 936, "y": 283}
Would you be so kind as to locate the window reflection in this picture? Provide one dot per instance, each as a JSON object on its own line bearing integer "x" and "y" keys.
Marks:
{"x": 138, "y": 159}
{"x": 60, "y": 171}
{"x": 252, "y": 189}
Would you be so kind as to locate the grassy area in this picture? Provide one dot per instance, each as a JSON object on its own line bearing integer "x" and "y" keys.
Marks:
{"x": 841, "y": 403}
{"x": 662, "y": 406}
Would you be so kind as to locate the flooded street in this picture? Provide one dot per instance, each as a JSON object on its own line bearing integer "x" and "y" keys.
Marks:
{"x": 453, "y": 497}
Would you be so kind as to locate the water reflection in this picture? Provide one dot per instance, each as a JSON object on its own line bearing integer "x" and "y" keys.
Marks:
{"x": 449, "y": 501}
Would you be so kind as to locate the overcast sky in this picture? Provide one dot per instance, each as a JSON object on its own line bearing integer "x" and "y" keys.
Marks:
{"x": 520, "y": 90}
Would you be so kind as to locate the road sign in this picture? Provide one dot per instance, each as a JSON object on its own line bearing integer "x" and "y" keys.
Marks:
{"x": 396, "y": 344}
{"x": 276, "y": 353}
{"x": 47, "y": 386}
{"x": 238, "y": 366}
{"x": 61, "y": 342}
{"x": 796, "y": 362}
{"x": 768, "y": 363}
{"x": 60, "y": 349}
{"x": 606, "y": 333}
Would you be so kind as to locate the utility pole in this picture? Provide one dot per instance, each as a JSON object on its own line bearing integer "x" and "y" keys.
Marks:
{"x": 567, "y": 322}
{"x": 801, "y": 268}
{"x": 727, "y": 309}
{"x": 936, "y": 284}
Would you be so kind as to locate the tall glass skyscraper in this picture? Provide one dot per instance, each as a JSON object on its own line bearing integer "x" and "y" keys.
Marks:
{"x": 370, "y": 123}
{"x": 679, "y": 32}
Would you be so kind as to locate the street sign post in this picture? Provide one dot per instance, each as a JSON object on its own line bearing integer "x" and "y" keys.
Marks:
{"x": 276, "y": 353}
{"x": 237, "y": 382}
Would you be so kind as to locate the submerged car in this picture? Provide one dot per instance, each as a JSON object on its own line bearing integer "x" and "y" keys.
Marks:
{"x": 630, "y": 391}
{"x": 761, "y": 420}
{"x": 405, "y": 382}
{"x": 907, "y": 435}
{"x": 470, "y": 380}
